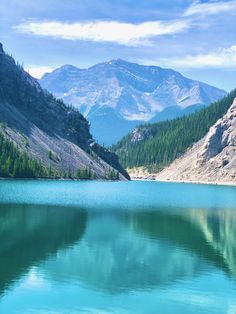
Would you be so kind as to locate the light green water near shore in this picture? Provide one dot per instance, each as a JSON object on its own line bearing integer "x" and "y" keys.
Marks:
{"x": 117, "y": 247}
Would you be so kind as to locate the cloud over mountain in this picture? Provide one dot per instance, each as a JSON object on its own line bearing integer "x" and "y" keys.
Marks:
{"x": 129, "y": 34}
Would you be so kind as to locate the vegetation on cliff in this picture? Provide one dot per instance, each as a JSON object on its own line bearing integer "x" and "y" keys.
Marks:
{"x": 156, "y": 145}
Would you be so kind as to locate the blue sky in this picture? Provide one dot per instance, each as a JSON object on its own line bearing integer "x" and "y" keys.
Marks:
{"x": 197, "y": 38}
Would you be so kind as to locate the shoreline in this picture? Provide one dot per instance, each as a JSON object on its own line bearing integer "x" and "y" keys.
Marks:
{"x": 59, "y": 179}
{"x": 233, "y": 184}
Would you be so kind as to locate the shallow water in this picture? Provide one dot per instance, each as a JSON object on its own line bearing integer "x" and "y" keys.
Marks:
{"x": 117, "y": 247}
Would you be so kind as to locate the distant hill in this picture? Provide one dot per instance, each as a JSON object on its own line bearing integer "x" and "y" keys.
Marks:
{"x": 126, "y": 94}
{"x": 156, "y": 145}
{"x": 41, "y": 136}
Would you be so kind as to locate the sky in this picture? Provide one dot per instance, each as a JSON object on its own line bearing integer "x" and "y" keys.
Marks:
{"x": 196, "y": 38}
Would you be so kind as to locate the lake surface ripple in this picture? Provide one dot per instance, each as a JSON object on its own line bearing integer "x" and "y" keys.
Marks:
{"x": 116, "y": 247}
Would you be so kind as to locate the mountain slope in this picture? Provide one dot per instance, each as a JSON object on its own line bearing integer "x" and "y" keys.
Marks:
{"x": 134, "y": 93}
{"x": 154, "y": 146}
{"x": 45, "y": 128}
{"x": 211, "y": 159}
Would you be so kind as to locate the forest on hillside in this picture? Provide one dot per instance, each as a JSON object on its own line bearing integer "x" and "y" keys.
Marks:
{"x": 163, "y": 142}
{"x": 16, "y": 164}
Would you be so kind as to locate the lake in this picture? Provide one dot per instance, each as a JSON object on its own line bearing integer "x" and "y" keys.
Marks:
{"x": 116, "y": 247}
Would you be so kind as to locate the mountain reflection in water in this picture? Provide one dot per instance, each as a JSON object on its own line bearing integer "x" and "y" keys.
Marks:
{"x": 114, "y": 252}
{"x": 117, "y": 248}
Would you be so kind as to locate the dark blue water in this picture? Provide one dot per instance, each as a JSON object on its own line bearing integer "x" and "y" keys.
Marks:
{"x": 122, "y": 247}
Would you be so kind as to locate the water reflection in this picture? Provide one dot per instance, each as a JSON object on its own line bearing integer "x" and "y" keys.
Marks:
{"x": 115, "y": 252}
{"x": 182, "y": 229}
{"x": 113, "y": 258}
{"x": 144, "y": 250}
{"x": 219, "y": 230}
{"x": 30, "y": 234}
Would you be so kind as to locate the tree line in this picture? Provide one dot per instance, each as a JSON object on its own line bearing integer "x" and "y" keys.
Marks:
{"x": 16, "y": 164}
{"x": 168, "y": 140}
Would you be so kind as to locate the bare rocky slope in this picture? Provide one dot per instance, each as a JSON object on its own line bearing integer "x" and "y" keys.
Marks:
{"x": 45, "y": 128}
{"x": 212, "y": 159}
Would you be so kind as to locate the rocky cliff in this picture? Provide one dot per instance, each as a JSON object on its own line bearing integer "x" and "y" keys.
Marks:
{"x": 212, "y": 159}
{"x": 45, "y": 128}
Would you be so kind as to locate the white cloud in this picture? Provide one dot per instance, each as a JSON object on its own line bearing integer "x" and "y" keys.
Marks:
{"x": 210, "y": 8}
{"x": 39, "y": 71}
{"x": 105, "y": 31}
{"x": 222, "y": 58}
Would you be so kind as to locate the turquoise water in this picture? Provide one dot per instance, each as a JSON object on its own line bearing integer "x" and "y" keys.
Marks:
{"x": 117, "y": 247}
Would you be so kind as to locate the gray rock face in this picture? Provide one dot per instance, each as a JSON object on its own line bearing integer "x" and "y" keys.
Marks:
{"x": 140, "y": 134}
{"x": 135, "y": 91}
{"x": 132, "y": 92}
{"x": 212, "y": 159}
{"x": 38, "y": 124}
{"x": 221, "y": 135}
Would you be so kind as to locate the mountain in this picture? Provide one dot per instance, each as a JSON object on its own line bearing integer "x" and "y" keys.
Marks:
{"x": 41, "y": 136}
{"x": 154, "y": 146}
{"x": 173, "y": 112}
{"x": 133, "y": 94}
{"x": 211, "y": 159}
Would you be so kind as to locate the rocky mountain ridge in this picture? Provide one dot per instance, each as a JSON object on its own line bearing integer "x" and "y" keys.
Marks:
{"x": 127, "y": 94}
{"x": 45, "y": 128}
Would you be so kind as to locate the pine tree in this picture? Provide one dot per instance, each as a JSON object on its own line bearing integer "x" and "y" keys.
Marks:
{"x": 16, "y": 164}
